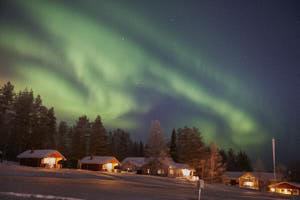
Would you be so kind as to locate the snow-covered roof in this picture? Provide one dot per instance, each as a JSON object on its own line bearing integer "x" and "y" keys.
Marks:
{"x": 140, "y": 161}
{"x": 97, "y": 159}
{"x": 137, "y": 161}
{"x": 288, "y": 183}
{"x": 173, "y": 164}
{"x": 255, "y": 174}
{"x": 40, "y": 153}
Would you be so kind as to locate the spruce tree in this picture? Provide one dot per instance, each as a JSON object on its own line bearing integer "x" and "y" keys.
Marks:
{"x": 141, "y": 150}
{"x": 173, "y": 146}
{"x": 7, "y": 97}
{"x": 243, "y": 162}
{"x": 81, "y": 131}
{"x": 62, "y": 135}
{"x": 98, "y": 140}
{"x": 231, "y": 160}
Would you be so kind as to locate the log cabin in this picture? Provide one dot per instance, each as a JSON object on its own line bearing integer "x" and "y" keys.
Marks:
{"x": 285, "y": 188}
{"x": 47, "y": 158}
{"x": 99, "y": 163}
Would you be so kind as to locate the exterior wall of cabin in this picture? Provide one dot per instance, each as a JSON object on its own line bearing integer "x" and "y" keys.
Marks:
{"x": 174, "y": 172}
{"x": 129, "y": 166}
{"x": 248, "y": 181}
{"x": 92, "y": 167}
{"x": 32, "y": 162}
{"x": 38, "y": 162}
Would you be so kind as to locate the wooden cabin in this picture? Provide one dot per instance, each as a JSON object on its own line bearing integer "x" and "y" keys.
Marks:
{"x": 166, "y": 167}
{"x": 285, "y": 188}
{"x": 99, "y": 163}
{"x": 249, "y": 180}
{"x": 179, "y": 169}
{"x": 133, "y": 164}
{"x": 47, "y": 158}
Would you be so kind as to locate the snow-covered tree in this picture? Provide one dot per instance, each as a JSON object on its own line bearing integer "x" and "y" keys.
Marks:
{"x": 156, "y": 148}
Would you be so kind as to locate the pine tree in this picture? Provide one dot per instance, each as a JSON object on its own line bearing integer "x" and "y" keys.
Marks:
{"x": 141, "y": 150}
{"x": 63, "y": 130}
{"x": 231, "y": 160}
{"x": 81, "y": 131}
{"x": 135, "y": 149}
{"x": 51, "y": 128}
{"x": 7, "y": 97}
{"x": 173, "y": 146}
{"x": 243, "y": 162}
{"x": 98, "y": 140}
{"x": 20, "y": 138}
{"x": 190, "y": 145}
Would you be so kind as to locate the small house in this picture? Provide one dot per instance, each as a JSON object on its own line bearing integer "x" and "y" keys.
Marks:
{"x": 179, "y": 169}
{"x": 99, "y": 163}
{"x": 47, "y": 158}
{"x": 285, "y": 188}
{"x": 133, "y": 164}
{"x": 249, "y": 180}
{"x": 166, "y": 167}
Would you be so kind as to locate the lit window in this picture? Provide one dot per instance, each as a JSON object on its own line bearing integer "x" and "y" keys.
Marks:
{"x": 186, "y": 172}
{"x": 249, "y": 184}
{"x": 109, "y": 167}
{"x": 171, "y": 171}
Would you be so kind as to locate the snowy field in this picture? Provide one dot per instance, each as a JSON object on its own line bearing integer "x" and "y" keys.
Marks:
{"x": 18, "y": 182}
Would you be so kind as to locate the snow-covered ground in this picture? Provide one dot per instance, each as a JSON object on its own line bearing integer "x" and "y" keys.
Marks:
{"x": 19, "y": 182}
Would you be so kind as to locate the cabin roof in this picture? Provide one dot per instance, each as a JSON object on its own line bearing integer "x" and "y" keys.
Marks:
{"x": 97, "y": 159}
{"x": 176, "y": 165}
{"x": 40, "y": 153}
{"x": 140, "y": 161}
{"x": 294, "y": 185}
{"x": 137, "y": 161}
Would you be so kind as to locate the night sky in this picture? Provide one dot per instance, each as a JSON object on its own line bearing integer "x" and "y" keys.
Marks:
{"x": 230, "y": 68}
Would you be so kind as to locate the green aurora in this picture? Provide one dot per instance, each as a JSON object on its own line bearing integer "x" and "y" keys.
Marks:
{"x": 110, "y": 59}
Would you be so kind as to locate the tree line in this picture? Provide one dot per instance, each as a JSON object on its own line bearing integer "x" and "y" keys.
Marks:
{"x": 25, "y": 123}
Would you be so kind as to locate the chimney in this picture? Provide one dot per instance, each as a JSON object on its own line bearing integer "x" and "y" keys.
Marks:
{"x": 32, "y": 150}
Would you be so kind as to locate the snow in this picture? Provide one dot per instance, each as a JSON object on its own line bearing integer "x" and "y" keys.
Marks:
{"x": 38, "y": 196}
{"x": 39, "y": 153}
{"x": 83, "y": 184}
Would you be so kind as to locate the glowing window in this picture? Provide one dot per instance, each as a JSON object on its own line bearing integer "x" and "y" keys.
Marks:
{"x": 49, "y": 161}
{"x": 249, "y": 184}
{"x": 108, "y": 167}
{"x": 185, "y": 172}
{"x": 171, "y": 171}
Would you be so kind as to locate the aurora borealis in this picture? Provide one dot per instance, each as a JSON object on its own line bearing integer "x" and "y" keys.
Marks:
{"x": 228, "y": 68}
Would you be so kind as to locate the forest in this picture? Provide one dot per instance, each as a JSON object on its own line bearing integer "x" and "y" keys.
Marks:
{"x": 25, "y": 123}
